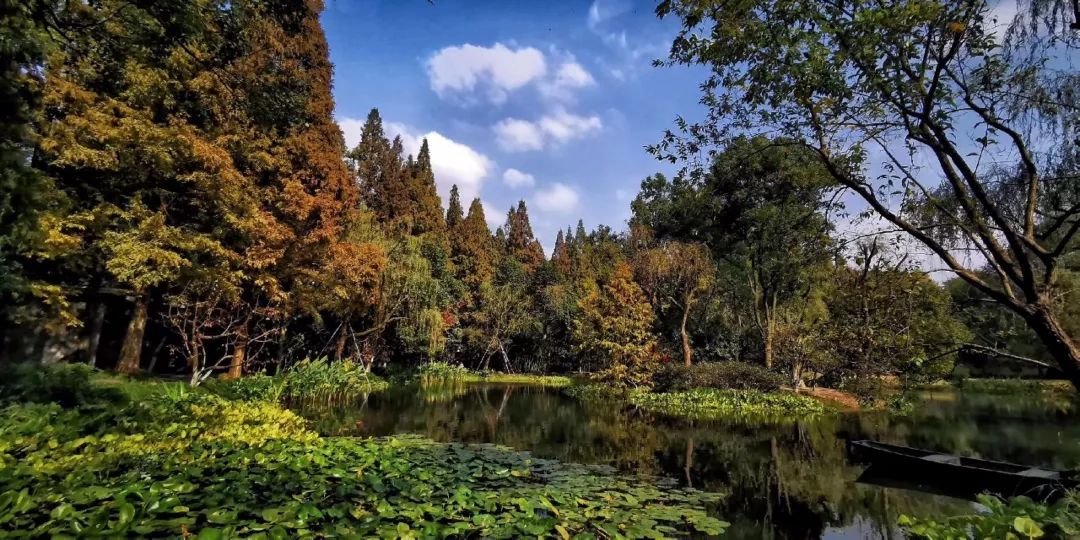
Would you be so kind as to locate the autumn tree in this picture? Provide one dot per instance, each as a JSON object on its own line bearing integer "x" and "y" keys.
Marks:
{"x": 616, "y": 326}
{"x": 520, "y": 242}
{"x": 674, "y": 275}
{"x": 875, "y": 91}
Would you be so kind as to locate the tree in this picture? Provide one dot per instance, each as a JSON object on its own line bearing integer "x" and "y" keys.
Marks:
{"x": 616, "y": 325}
{"x": 760, "y": 208}
{"x": 477, "y": 255}
{"x": 560, "y": 255}
{"x": 520, "y": 242}
{"x": 674, "y": 274}
{"x": 887, "y": 319}
{"x": 917, "y": 82}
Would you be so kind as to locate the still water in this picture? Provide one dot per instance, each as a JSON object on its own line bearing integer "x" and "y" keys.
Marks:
{"x": 790, "y": 480}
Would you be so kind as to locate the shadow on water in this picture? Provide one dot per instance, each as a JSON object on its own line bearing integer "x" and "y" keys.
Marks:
{"x": 788, "y": 480}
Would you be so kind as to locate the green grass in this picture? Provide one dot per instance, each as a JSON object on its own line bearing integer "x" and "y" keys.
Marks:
{"x": 706, "y": 403}
{"x": 440, "y": 372}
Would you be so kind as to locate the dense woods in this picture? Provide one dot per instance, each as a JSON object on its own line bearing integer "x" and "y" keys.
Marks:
{"x": 179, "y": 199}
{"x": 201, "y": 286}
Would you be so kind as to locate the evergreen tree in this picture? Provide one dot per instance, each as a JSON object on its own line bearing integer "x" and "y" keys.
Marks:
{"x": 478, "y": 249}
{"x": 454, "y": 212}
{"x": 420, "y": 202}
{"x": 560, "y": 255}
{"x": 616, "y": 326}
{"x": 521, "y": 244}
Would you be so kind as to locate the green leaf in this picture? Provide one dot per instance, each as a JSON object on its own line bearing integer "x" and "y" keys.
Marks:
{"x": 1027, "y": 527}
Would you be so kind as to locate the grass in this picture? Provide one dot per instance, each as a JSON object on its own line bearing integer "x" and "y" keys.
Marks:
{"x": 435, "y": 373}
{"x": 706, "y": 403}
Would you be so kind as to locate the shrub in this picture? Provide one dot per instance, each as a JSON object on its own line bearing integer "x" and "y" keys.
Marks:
{"x": 321, "y": 380}
{"x": 256, "y": 387}
{"x": 69, "y": 385}
{"x": 719, "y": 375}
{"x": 442, "y": 371}
{"x": 869, "y": 390}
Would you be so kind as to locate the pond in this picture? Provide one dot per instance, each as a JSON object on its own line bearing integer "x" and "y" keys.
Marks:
{"x": 789, "y": 480}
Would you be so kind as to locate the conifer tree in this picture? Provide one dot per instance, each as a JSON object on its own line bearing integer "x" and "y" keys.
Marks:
{"x": 616, "y": 326}
{"x": 420, "y": 202}
{"x": 477, "y": 248}
{"x": 521, "y": 244}
{"x": 560, "y": 255}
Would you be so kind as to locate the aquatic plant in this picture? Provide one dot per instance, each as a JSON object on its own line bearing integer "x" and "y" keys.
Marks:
{"x": 308, "y": 380}
{"x": 442, "y": 371}
{"x": 1019, "y": 517}
{"x": 439, "y": 372}
{"x": 208, "y": 467}
{"x": 708, "y": 403}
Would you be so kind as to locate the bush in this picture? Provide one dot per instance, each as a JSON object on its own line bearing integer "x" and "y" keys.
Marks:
{"x": 442, "y": 371}
{"x": 321, "y": 380}
{"x": 69, "y": 385}
{"x": 869, "y": 390}
{"x": 256, "y": 387}
{"x": 719, "y": 375}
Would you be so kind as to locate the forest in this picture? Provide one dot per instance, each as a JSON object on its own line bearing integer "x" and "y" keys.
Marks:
{"x": 188, "y": 250}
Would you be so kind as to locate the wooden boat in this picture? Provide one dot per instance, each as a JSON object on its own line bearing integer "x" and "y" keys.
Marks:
{"x": 962, "y": 474}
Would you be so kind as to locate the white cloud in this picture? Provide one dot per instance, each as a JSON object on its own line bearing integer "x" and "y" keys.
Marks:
{"x": 351, "y": 128}
{"x": 458, "y": 71}
{"x": 515, "y": 135}
{"x": 570, "y": 76}
{"x": 602, "y": 10}
{"x": 469, "y": 73}
{"x": 516, "y": 178}
{"x": 452, "y": 162}
{"x": 558, "y": 198}
{"x": 495, "y": 218}
{"x": 562, "y": 126}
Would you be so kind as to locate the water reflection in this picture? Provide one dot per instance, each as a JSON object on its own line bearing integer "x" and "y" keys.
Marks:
{"x": 788, "y": 480}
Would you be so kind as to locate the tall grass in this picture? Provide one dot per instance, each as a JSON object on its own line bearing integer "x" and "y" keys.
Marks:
{"x": 329, "y": 382}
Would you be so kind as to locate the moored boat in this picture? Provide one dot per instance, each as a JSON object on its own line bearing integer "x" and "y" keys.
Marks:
{"x": 960, "y": 474}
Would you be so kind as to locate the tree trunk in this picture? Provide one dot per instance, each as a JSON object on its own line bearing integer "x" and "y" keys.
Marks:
{"x": 1061, "y": 347}
{"x": 767, "y": 349}
{"x": 236, "y": 367}
{"x": 342, "y": 340}
{"x": 683, "y": 334}
{"x": 133, "y": 340}
{"x": 94, "y": 339}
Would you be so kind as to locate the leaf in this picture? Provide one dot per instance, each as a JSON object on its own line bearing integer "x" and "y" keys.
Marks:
{"x": 562, "y": 532}
{"x": 1027, "y": 527}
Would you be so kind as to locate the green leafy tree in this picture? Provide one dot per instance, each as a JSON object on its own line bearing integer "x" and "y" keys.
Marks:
{"x": 911, "y": 83}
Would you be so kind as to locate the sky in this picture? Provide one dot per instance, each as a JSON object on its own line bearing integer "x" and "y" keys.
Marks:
{"x": 547, "y": 102}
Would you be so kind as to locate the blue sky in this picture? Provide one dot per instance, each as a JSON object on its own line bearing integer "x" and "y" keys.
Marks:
{"x": 550, "y": 102}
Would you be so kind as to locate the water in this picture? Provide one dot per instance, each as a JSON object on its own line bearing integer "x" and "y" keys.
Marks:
{"x": 791, "y": 480}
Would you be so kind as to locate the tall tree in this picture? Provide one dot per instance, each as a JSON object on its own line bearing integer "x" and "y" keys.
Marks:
{"x": 674, "y": 275}
{"x": 616, "y": 326}
{"x": 760, "y": 208}
{"x": 934, "y": 82}
{"x": 520, "y": 242}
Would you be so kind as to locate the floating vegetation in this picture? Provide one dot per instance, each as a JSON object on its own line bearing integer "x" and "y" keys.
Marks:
{"x": 708, "y": 403}
{"x": 442, "y": 372}
{"x": 1019, "y": 517}
{"x": 201, "y": 465}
